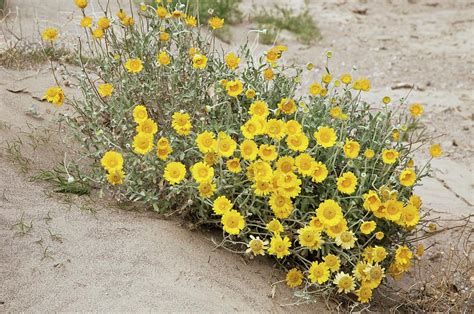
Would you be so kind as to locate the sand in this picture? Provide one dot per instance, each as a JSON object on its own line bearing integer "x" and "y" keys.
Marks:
{"x": 85, "y": 254}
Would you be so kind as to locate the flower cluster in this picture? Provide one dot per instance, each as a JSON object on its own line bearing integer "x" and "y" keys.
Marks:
{"x": 313, "y": 176}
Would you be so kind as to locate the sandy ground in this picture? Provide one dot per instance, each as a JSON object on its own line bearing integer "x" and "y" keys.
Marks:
{"x": 83, "y": 256}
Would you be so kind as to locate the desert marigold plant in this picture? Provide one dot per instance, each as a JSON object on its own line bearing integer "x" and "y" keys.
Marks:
{"x": 312, "y": 177}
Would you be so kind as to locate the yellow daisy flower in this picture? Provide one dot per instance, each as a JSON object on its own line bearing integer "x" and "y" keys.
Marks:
{"x": 175, "y": 172}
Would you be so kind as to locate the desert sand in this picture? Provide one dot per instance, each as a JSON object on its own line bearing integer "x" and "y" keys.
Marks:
{"x": 84, "y": 254}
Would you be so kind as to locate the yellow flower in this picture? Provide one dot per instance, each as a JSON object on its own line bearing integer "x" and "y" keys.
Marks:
{"x": 297, "y": 142}
{"x": 281, "y": 205}
{"x": 115, "y": 176}
{"x": 275, "y": 129}
{"x": 272, "y": 55}
{"x": 293, "y": 126}
{"x": 368, "y": 254}
{"x": 371, "y": 201}
{"x": 367, "y": 227}
{"x": 121, "y": 14}
{"x": 233, "y": 165}
{"x": 320, "y": 172}
{"x": 174, "y": 172}
{"x": 221, "y": 205}
{"x": 287, "y": 106}
{"x": 262, "y": 188}
{"x": 103, "y": 23}
{"x": 364, "y": 294}
{"x": 329, "y": 213}
{"x": 50, "y": 34}
{"x": 347, "y": 183}
{"x": 389, "y": 156}
{"x": 416, "y": 201}
{"x": 327, "y": 78}
{"x": 285, "y": 164}
{"x": 386, "y": 100}
{"x": 206, "y": 189}
{"x": 81, "y": 4}
{"x": 334, "y": 231}
{"x": 250, "y": 93}
{"x": 181, "y": 123}
{"x": 143, "y": 143}
{"x": 105, "y": 90}
{"x": 164, "y": 36}
{"x": 275, "y": 226}
{"x": 279, "y": 247}
{"x": 54, "y": 95}
{"x": 134, "y": 65}
{"x": 362, "y": 84}
{"x": 225, "y": 145}
{"x": 201, "y": 172}
{"x": 127, "y": 21}
{"x": 86, "y": 22}
{"x": 351, "y": 149}
{"x": 436, "y": 150}
{"x": 191, "y": 21}
{"x": 325, "y": 137}
{"x": 407, "y": 177}
{"x": 316, "y": 224}
{"x": 112, "y": 160}
{"x": 98, "y": 33}
{"x": 336, "y": 113}
{"x": 234, "y": 88}
{"x": 393, "y": 209}
{"x": 287, "y": 184}
{"x": 254, "y": 126}
{"x": 216, "y": 22}
{"x": 256, "y": 246}
{"x": 147, "y": 126}
{"x": 318, "y": 272}
{"x": 233, "y": 222}
{"x": 344, "y": 282}
{"x": 309, "y": 237}
{"x": 294, "y": 278}
{"x": 379, "y": 254}
{"x": 232, "y": 61}
{"x": 267, "y": 152}
{"x": 346, "y": 78}
{"x": 163, "y": 148}
{"x": 259, "y": 108}
{"x": 161, "y": 12}
{"x": 206, "y": 142}
{"x": 261, "y": 170}
{"x": 379, "y": 235}
{"x": 416, "y": 110}
{"x": 163, "y": 58}
{"x": 248, "y": 150}
{"x": 211, "y": 158}
{"x": 332, "y": 262}
{"x": 369, "y": 153}
{"x": 315, "y": 89}
{"x": 199, "y": 61}
{"x": 403, "y": 255}
{"x": 177, "y": 14}
{"x": 346, "y": 240}
{"x": 140, "y": 114}
{"x": 268, "y": 74}
{"x": 410, "y": 215}
{"x": 305, "y": 164}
